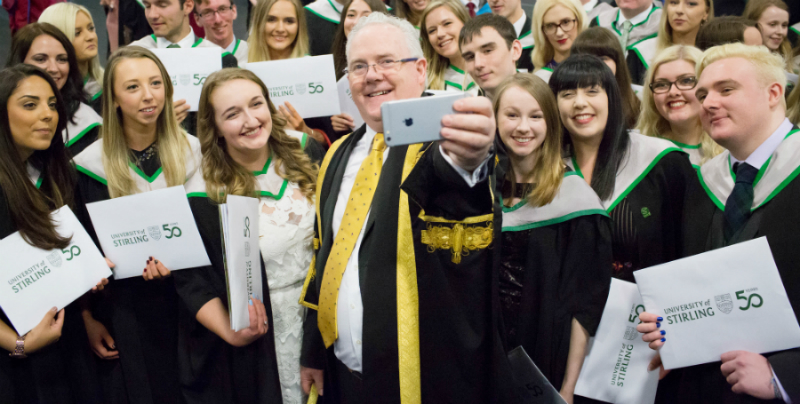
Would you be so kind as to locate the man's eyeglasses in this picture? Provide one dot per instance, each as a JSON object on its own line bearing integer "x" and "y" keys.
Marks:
{"x": 361, "y": 69}
{"x": 682, "y": 83}
{"x": 566, "y": 25}
{"x": 223, "y": 11}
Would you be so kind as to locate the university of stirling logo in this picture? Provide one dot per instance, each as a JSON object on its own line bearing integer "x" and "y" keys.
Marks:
{"x": 154, "y": 232}
{"x": 630, "y": 333}
{"x": 300, "y": 88}
{"x": 54, "y": 258}
{"x": 186, "y": 79}
{"x": 724, "y": 303}
{"x": 246, "y": 248}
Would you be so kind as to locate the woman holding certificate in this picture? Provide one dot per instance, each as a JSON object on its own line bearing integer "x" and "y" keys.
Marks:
{"x": 556, "y": 237}
{"x": 641, "y": 180}
{"x": 47, "y": 48}
{"x": 76, "y": 23}
{"x": 142, "y": 148}
{"x": 50, "y": 364}
{"x": 669, "y": 108}
{"x": 279, "y": 32}
{"x": 441, "y": 26}
{"x": 247, "y": 152}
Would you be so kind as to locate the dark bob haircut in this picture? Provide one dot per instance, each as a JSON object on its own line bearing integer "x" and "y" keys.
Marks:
{"x": 72, "y": 92}
{"x": 586, "y": 71}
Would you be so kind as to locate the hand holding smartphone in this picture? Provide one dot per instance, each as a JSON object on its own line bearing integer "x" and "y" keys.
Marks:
{"x": 417, "y": 120}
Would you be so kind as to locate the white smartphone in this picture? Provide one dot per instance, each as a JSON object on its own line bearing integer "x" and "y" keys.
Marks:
{"x": 416, "y": 120}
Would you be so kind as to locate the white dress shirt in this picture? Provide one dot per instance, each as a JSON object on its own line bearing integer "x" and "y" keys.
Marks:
{"x": 349, "y": 307}
{"x": 230, "y": 47}
{"x": 589, "y": 6}
{"x": 520, "y": 23}
{"x": 639, "y": 18}
{"x": 757, "y": 159}
{"x": 760, "y": 156}
{"x": 186, "y": 42}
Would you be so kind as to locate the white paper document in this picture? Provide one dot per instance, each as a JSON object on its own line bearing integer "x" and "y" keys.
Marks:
{"x": 723, "y": 300}
{"x": 346, "y": 101}
{"x": 36, "y": 280}
{"x": 615, "y": 368}
{"x": 188, "y": 68}
{"x": 308, "y": 83}
{"x": 156, "y": 224}
{"x": 239, "y": 224}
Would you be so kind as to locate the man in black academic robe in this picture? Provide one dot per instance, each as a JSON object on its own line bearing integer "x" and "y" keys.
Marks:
{"x": 428, "y": 332}
{"x": 743, "y": 111}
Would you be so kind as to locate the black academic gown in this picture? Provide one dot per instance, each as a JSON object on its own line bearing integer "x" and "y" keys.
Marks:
{"x": 61, "y": 373}
{"x": 778, "y": 219}
{"x": 460, "y": 354}
{"x": 654, "y": 207}
{"x": 525, "y": 61}
{"x": 211, "y": 370}
{"x": 321, "y": 32}
{"x": 141, "y": 316}
{"x": 561, "y": 264}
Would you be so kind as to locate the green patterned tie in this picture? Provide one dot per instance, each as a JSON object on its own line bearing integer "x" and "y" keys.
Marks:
{"x": 627, "y": 26}
{"x": 178, "y": 46}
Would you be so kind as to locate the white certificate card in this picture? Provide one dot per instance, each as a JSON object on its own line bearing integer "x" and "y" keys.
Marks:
{"x": 239, "y": 223}
{"x": 308, "y": 83}
{"x": 188, "y": 69}
{"x": 35, "y": 280}
{"x": 346, "y": 101}
{"x": 156, "y": 224}
{"x": 615, "y": 368}
{"x": 723, "y": 300}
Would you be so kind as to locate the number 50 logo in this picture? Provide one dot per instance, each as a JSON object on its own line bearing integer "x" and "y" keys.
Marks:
{"x": 174, "y": 231}
{"x": 750, "y": 300}
{"x": 315, "y": 88}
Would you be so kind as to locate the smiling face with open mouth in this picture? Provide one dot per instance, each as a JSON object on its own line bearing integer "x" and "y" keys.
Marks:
{"x": 139, "y": 92}
{"x": 281, "y": 27}
{"x": 676, "y": 106}
{"x": 520, "y": 122}
{"x": 242, "y": 116}
{"x": 400, "y": 82}
{"x": 443, "y": 28}
{"x": 584, "y": 111}
{"x": 774, "y": 25}
{"x": 48, "y": 54}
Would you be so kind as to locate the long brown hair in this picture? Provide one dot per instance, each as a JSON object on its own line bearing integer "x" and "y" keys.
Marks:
{"x": 549, "y": 169}
{"x": 793, "y": 113}
{"x": 171, "y": 139}
{"x": 753, "y": 11}
{"x": 601, "y": 42}
{"x": 30, "y": 207}
{"x": 223, "y": 175}
{"x": 340, "y": 39}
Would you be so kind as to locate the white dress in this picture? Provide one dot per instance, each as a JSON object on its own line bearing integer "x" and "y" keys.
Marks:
{"x": 286, "y": 230}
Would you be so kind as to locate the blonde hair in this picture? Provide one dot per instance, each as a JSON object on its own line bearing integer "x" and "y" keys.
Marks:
{"x": 63, "y": 16}
{"x": 438, "y": 64}
{"x": 768, "y": 65}
{"x": 664, "y": 38}
{"x": 223, "y": 175}
{"x": 753, "y": 11}
{"x": 549, "y": 168}
{"x": 543, "y": 51}
{"x": 257, "y": 41}
{"x": 170, "y": 138}
{"x": 651, "y": 123}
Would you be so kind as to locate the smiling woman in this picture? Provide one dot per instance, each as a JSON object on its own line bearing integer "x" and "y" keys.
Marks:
{"x": 76, "y": 23}
{"x": 772, "y": 18}
{"x": 441, "y": 27}
{"x": 278, "y": 32}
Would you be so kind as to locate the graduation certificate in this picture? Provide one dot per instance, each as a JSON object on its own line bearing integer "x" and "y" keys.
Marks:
{"x": 615, "y": 368}
{"x": 188, "y": 69}
{"x": 156, "y": 224}
{"x": 308, "y": 83}
{"x": 239, "y": 224}
{"x": 723, "y": 300}
{"x": 346, "y": 101}
{"x": 37, "y": 280}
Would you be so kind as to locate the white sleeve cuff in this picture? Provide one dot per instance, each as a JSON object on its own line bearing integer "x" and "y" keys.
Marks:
{"x": 473, "y": 178}
{"x": 785, "y": 395}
